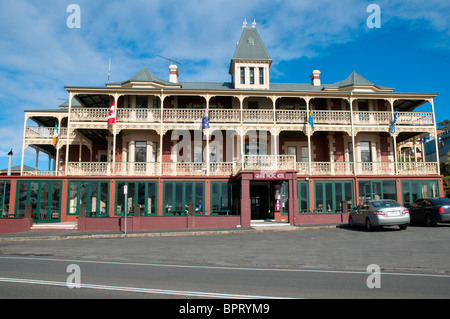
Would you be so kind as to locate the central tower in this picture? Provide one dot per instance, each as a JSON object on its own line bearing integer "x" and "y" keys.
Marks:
{"x": 250, "y": 64}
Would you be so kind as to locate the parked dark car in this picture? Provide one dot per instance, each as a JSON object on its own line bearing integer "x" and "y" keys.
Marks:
{"x": 430, "y": 211}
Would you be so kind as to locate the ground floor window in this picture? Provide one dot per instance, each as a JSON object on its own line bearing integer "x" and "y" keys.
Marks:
{"x": 179, "y": 195}
{"x": 5, "y": 189}
{"x": 143, "y": 194}
{"x": 44, "y": 198}
{"x": 93, "y": 194}
{"x": 330, "y": 195}
{"x": 412, "y": 190}
{"x": 377, "y": 190}
{"x": 225, "y": 198}
{"x": 303, "y": 197}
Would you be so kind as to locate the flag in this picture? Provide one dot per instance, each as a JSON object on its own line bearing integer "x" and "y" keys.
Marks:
{"x": 55, "y": 135}
{"x": 393, "y": 122}
{"x": 112, "y": 114}
{"x": 310, "y": 119}
{"x": 205, "y": 120}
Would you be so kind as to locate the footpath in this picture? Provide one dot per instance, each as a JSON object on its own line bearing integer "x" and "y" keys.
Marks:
{"x": 74, "y": 234}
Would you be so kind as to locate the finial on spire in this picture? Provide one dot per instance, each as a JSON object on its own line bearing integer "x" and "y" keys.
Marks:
{"x": 254, "y": 23}
{"x": 244, "y": 25}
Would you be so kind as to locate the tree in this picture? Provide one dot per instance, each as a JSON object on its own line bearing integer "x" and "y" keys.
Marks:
{"x": 444, "y": 125}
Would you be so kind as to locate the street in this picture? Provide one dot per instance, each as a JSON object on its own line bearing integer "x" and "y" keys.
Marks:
{"x": 310, "y": 264}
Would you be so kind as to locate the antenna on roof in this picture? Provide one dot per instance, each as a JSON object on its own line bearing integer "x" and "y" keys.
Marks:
{"x": 173, "y": 61}
{"x": 109, "y": 69}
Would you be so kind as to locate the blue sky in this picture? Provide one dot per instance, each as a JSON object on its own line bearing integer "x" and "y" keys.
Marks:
{"x": 39, "y": 54}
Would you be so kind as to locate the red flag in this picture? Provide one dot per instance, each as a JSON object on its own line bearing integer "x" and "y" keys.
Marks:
{"x": 112, "y": 114}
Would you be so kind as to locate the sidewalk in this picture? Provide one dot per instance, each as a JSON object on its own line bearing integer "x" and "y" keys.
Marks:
{"x": 73, "y": 234}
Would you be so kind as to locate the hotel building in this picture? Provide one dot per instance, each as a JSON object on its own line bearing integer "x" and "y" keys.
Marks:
{"x": 265, "y": 155}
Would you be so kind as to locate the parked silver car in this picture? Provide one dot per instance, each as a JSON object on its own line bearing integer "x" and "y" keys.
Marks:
{"x": 375, "y": 213}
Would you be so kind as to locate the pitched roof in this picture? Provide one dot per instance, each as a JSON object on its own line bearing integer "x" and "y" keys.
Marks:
{"x": 354, "y": 79}
{"x": 145, "y": 75}
{"x": 251, "y": 47}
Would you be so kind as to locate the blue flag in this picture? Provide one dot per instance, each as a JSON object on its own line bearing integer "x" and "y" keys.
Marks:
{"x": 205, "y": 120}
{"x": 393, "y": 122}
{"x": 310, "y": 119}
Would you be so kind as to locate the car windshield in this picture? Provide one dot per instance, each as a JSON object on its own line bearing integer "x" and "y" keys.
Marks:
{"x": 385, "y": 204}
{"x": 440, "y": 201}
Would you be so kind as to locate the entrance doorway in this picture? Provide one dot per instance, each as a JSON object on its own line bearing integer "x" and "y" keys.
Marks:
{"x": 268, "y": 198}
{"x": 260, "y": 200}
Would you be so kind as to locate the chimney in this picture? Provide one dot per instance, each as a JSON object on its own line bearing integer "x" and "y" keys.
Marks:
{"x": 315, "y": 78}
{"x": 173, "y": 73}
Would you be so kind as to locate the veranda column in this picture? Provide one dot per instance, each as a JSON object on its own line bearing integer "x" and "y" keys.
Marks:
{"x": 309, "y": 133}
{"x": 206, "y": 132}
{"x": 23, "y": 143}
{"x": 162, "y": 98}
{"x": 58, "y": 147}
{"x": 394, "y": 137}
{"x": 116, "y": 98}
{"x": 436, "y": 142}
{"x": 68, "y": 134}
{"x": 353, "y": 136}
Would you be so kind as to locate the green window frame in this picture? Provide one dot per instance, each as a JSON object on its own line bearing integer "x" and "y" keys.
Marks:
{"x": 177, "y": 195}
{"x": 382, "y": 189}
{"x": 5, "y": 190}
{"x": 143, "y": 193}
{"x": 44, "y": 197}
{"x": 224, "y": 198}
{"x": 412, "y": 190}
{"x": 94, "y": 194}
{"x": 303, "y": 197}
{"x": 328, "y": 196}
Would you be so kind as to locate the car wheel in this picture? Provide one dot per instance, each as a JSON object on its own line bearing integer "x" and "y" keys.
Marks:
{"x": 403, "y": 227}
{"x": 429, "y": 221}
{"x": 350, "y": 222}
{"x": 369, "y": 226}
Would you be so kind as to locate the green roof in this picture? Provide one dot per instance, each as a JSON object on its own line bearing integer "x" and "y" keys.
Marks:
{"x": 251, "y": 47}
{"x": 354, "y": 79}
{"x": 145, "y": 75}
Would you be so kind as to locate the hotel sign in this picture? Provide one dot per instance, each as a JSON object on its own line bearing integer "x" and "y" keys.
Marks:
{"x": 269, "y": 175}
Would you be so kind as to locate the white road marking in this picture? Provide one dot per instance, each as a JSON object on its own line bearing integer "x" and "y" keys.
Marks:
{"x": 139, "y": 290}
{"x": 226, "y": 267}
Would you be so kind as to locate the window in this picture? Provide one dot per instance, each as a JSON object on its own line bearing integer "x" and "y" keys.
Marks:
{"x": 93, "y": 194}
{"x": 305, "y": 154}
{"x": 303, "y": 197}
{"x": 179, "y": 195}
{"x": 5, "y": 187}
{"x": 252, "y": 75}
{"x": 138, "y": 193}
{"x": 140, "y": 152}
{"x": 242, "y": 75}
{"x": 412, "y": 190}
{"x": 329, "y": 196}
{"x": 350, "y": 152}
{"x": 366, "y": 152}
{"x": 261, "y": 75}
{"x": 225, "y": 198}
{"x": 377, "y": 190}
{"x": 44, "y": 197}
{"x": 141, "y": 102}
{"x": 292, "y": 150}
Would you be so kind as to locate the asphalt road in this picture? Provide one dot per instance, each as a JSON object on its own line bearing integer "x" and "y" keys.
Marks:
{"x": 329, "y": 263}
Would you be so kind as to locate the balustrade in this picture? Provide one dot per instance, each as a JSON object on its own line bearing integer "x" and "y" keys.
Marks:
{"x": 253, "y": 116}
